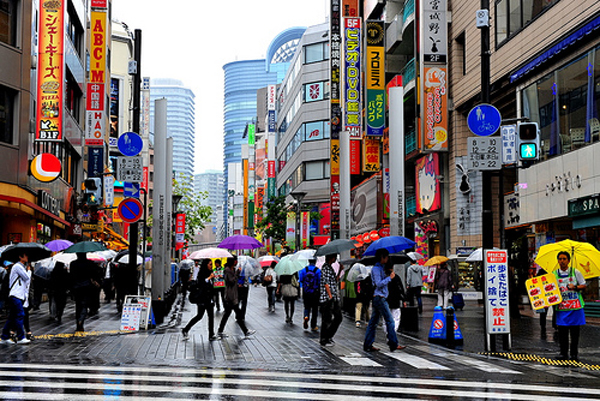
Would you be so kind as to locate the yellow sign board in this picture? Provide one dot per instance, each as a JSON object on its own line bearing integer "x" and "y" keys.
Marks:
{"x": 543, "y": 291}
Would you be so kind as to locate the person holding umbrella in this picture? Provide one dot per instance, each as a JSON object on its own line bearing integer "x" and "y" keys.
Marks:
{"x": 20, "y": 277}
{"x": 569, "y": 313}
{"x": 380, "y": 305}
{"x": 231, "y": 302}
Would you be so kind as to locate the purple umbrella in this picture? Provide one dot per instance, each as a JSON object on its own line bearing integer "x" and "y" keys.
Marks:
{"x": 240, "y": 242}
{"x": 59, "y": 245}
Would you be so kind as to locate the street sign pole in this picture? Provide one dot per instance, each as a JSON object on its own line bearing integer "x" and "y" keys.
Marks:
{"x": 132, "y": 284}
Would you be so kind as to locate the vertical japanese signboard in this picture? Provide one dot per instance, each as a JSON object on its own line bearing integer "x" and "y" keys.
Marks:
{"x": 352, "y": 87}
{"x": 270, "y": 145}
{"x": 375, "y": 65}
{"x": 371, "y": 157}
{"x": 50, "y": 71}
{"x": 496, "y": 292}
{"x": 335, "y": 59}
{"x": 433, "y": 33}
{"x": 95, "y": 131}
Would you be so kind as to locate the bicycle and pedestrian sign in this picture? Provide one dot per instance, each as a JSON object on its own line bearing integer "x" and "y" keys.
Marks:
{"x": 484, "y": 120}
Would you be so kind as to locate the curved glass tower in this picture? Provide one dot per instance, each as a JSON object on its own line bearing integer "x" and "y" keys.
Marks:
{"x": 242, "y": 80}
{"x": 181, "y": 112}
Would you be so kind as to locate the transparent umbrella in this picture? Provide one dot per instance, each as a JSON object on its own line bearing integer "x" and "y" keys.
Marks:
{"x": 288, "y": 266}
{"x": 250, "y": 266}
{"x": 358, "y": 272}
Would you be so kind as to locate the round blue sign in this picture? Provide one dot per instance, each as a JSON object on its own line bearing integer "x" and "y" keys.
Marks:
{"x": 484, "y": 120}
{"x": 130, "y": 210}
{"x": 130, "y": 144}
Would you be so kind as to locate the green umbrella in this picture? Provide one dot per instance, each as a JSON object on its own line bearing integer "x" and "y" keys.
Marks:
{"x": 85, "y": 247}
{"x": 288, "y": 266}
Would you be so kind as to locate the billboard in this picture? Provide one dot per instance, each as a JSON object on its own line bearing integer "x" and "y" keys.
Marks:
{"x": 427, "y": 171}
{"x": 50, "y": 71}
{"x": 352, "y": 85}
{"x": 375, "y": 77}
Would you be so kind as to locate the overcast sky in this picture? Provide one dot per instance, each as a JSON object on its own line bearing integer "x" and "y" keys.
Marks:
{"x": 191, "y": 40}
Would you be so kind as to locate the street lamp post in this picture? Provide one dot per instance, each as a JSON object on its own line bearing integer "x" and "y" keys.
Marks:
{"x": 298, "y": 196}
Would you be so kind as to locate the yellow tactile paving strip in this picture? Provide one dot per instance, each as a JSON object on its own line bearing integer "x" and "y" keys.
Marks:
{"x": 542, "y": 360}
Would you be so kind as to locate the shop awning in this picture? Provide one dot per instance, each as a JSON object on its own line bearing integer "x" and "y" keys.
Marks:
{"x": 557, "y": 48}
{"x": 35, "y": 207}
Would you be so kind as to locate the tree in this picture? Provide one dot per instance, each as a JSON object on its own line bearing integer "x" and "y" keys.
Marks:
{"x": 196, "y": 214}
{"x": 273, "y": 224}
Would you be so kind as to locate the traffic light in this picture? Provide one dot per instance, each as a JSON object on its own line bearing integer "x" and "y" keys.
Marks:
{"x": 92, "y": 193}
{"x": 528, "y": 142}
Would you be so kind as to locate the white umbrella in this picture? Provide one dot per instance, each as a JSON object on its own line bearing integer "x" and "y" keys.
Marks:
{"x": 267, "y": 259}
{"x": 415, "y": 256}
{"x": 304, "y": 254}
{"x": 358, "y": 272}
{"x": 210, "y": 253}
{"x": 476, "y": 255}
{"x": 65, "y": 258}
{"x": 250, "y": 266}
{"x": 336, "y": 266}
{"x": 108, "y": 254}
{"x": 125, "y": 259}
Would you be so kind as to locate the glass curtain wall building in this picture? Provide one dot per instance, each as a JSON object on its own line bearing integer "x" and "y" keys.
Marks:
{"x": 181, "y": 116}
{"x": 242, "y": 80}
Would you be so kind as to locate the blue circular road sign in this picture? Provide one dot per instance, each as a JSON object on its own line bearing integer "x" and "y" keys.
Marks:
{"x": 130, "y": 210}
{"x": 130, "y": 144}
{"x": 484, "y": 120}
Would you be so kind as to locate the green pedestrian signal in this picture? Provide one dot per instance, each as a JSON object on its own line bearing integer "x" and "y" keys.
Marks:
{"x": 528, "y": 142}
{"x": 528, "y": 151}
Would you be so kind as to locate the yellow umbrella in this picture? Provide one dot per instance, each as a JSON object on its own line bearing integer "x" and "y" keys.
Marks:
{"x": 436, "y": 260}
{"x": 584, "y": 257}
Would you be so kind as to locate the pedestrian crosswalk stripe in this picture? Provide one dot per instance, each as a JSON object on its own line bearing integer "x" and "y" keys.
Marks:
{"x": 357, "y": 360}
{"x": 133, "y": 382}
{"x": 472, "y": 362}
{"x": 415, "y": 361}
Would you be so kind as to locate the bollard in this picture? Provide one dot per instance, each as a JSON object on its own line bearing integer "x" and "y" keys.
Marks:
{"x": 450, "y": 327}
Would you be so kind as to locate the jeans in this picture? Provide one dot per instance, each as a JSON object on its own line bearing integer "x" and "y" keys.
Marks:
{"x": 381, "y": 308}
{"x": 331, "y": 318}
{"x": 311, "y": 307}
{"x": 412, "y": 293}
{"x": 210, "y": 312}
{"x": 271, "y": 296}
{"x": 231, "y": 307}
{"x": 16, "y": 315}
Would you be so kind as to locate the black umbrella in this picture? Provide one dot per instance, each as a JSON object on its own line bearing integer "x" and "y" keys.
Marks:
{"x": 336, "y": 246}
{"x": 33, "y": 250}
{"x": 85, "y": 247}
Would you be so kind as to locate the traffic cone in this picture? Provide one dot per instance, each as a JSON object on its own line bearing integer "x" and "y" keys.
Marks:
{"x": 437, "y": 332}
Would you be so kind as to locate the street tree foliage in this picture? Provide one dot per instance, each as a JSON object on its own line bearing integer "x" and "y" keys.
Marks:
{"x": 273, "y": 223}
{"x": 196, "y": 214}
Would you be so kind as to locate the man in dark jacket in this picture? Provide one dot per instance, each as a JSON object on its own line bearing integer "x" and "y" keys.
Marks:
{"x": 82, "y": 271}
{"x": 231, "y": 303}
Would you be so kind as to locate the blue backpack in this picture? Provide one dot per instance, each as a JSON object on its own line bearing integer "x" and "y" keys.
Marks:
{"x": 310, "y": 283}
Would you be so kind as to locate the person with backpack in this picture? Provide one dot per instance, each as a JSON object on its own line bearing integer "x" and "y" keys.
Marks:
{"x": 20, "y": 276}
{"x": 201, "y": 294}
{"x": 310, "y": 281}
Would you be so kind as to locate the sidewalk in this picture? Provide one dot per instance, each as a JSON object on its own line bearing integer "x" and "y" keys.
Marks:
{"x": 525, "y": 332}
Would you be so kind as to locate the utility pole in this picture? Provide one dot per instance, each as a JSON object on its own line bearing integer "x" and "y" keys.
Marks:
{"x": 487, "y": 220}
{"x": 134, "y": 227}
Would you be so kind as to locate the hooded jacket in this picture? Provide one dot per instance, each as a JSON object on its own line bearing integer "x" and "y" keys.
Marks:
{"x": 414, "y": 276}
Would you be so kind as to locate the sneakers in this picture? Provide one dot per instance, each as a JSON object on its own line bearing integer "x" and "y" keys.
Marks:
{"x": 7, "y": 341}
{"x": 185, "y": 335}
{"x": 250, "y": 333}
{"x": 24, "y": 340}
{"x": 213, "y": 338}
{"x": 316, "y": 328}
{"x": 222, "y": 335}
{"x": 327, "y": 343}
{"x": 358, "y": 324}
{"x": 305, "y": 323}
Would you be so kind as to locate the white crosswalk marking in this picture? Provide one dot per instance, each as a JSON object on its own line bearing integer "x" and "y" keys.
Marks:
{"x": 465, "y": 360}
{"x": 105, "y": 383}
{"x": 415, "y": 361}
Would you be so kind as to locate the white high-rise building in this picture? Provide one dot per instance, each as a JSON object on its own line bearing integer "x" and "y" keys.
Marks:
{"x": 181, "y": 116}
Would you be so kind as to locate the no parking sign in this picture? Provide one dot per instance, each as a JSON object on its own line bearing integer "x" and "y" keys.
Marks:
{"x": 130, "y": 210}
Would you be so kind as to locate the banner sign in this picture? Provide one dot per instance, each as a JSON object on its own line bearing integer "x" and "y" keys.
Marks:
{"x": 95, "y": 162}
{"x": 435, "y": 28}
{"x": 179, "y": 231}
{"x": 352, "y": 87}
{"x": 496, "y": 292}
{"x": 428, "y": 188}
{"x": 50, "y": 71}
{"x": 95, "y": 130}
{"x": 335, "y": 117}
{"x": 436, "y": 109}
{"x": 355, "y": 157}
{"x": 375, "y": 108}
{"x": 371, "y": 155}
{"x": 251, "y": 134}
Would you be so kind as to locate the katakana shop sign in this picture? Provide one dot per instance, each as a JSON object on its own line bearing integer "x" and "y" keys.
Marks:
{"x": 496, "y": 292}
{"x": 352, "y": 87}
{"x": 375, "y": 65}
{"x": 95, "y": 110}
{"x": 50, "y": 70}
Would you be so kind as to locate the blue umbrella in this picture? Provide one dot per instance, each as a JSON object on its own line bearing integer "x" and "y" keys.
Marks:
{"x": 393, "y": 244}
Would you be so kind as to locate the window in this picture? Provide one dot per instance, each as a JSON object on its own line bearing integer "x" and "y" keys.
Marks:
{"x": 315, "y": 170}
{"x": 8, "y": 22}
{"x": 461, "y": 52}
{"x": 316, "y": 91}
{"x": 316, "y": 52}
{"x": 74, "y": 97}
{"x": 74, "y": 29}
{"x": 7, "y": 118}
{"x": 513, "y": 15}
